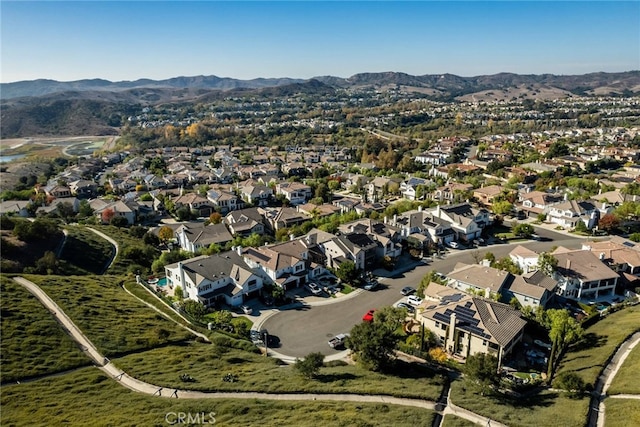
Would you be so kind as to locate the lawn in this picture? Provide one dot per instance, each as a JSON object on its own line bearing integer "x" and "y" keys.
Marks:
{"x": 89, "y": 398}
{"x": 622, "y": 413}
{"x": 626, "y": 380}
{"x": 208, "y": 363}
{"x": 86, "y": 250}
{"x": 33, "y": 343}
{"x": 601, "y": 340}
{"x": 545, "y": 409}
{"x": 113, "y": 320}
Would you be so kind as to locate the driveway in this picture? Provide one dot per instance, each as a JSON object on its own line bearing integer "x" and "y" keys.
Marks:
{"x": 307, "y": 329}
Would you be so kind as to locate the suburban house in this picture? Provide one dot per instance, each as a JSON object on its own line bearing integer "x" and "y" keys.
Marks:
{"x": 478, "y": 278}
{"x": 224, "y": 277}
{"x": 386, "y": 236}
{"x": 224, "y": 201}
{"x": 356, "y": 247}
{"x": 568, "y": 213}
{"x": 194, "y": 203}
{"x": 466, "y": 325}
{"x": 466, "y": 221}
{"x": 452, "y": 192}
{"x": 418, "y": 223}
{"x": 256, "y": 194}
{"x": 582, "y": 276}
{"x": 83, "y": 188}
{"x": 486, "y": 195}
{"x": 527, "y": 292}
{"x": 535, "y": 203}
{"x": 524, "y": 258}
{"x": 295, "y": 192}
{"x": 15, "y": 207}
{"x": 195, "y": 236}
{"x": 105, "y": 210}
{"x": 414, "y": 188}
{"x": 245, "y": 222}
{"x": 279, "y": 218}
{"x": 619, "y": 254}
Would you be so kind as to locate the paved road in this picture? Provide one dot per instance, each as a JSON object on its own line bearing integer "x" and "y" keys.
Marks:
{"x": 307, "y": 329}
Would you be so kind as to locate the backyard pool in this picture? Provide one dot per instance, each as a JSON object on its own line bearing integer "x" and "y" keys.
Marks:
{"x": 162, "y": 282}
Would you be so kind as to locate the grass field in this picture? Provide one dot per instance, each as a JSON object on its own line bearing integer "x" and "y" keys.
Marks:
{"x": 207, "y": 364}
{"x": 545, "y": 409}
{"x": 622, "y": 413}
{"x": 626, "y": 380}
{"x": 453, "y": 421}
{"x": 113, "y": 320}
{"x": 86, "y": 250}
{"x": 89, "y": 398}
{"x": 33, "y": 343}
{"x": 600, "y": 342}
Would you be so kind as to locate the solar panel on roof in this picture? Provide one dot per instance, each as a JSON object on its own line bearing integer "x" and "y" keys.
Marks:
{"x": 629, "y": 244}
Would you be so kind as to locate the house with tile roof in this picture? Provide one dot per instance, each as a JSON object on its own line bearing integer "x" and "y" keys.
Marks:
{"x": 619, "y": 254}
{"x": 568, "y": 213}
{"x": 466, "y": 325}
{"x": 524, "y": 258}
{"x": 245, "y": 222}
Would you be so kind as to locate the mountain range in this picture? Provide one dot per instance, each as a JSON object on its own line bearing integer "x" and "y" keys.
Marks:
{"x": 52, "y": 107}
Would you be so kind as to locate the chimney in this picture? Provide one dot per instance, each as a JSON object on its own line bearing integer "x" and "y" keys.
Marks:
{"x": 438, "y": 211}
{"x": 420, "y": 208}
{"x": 395, "y": 218}
{"x": 239, "y": 250}
{"x": 386, "y": 220}
{"x": 292, "y": 236}
{"x": 601, "y": 256}
{"x": 487, "y": 293}
{"x": 452, "y": 329}
{"x": 568, "y": 265}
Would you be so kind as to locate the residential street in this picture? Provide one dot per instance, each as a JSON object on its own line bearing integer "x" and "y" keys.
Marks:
{"x": 307, "y": 329}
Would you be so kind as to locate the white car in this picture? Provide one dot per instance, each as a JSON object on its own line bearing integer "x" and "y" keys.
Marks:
{"x": 414, "y": 300}
{"x": 246, "y": 309}
{"x": 314, "y": 289}
{"x": 453, "y": 245}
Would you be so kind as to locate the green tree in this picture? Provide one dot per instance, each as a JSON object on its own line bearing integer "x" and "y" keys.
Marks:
{"x": 347, "y": 272}
{"x": 482, "y": 369}
{"x": 547, "y": 263}
{"x": 523, "y": 229}
{"x": 178, "y": 293}
{"x": 432, "y": 276}
{"x": 502, "y": 208}
{"x": 563, "y": 330}
{"x": 571, "y": 382}
{"x": 195, "y": 309}
{"x": 310, "y": 365}
{"x": 374, "y": 342}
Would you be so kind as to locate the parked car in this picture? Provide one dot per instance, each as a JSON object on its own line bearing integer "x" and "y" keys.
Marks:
{"x": 414, "y": 300}
{"x": 258, "y": 336}
{"x": 338, "y": 340}
{"x": 407, "y": 290}
{"x": 246, "y": 309}
{"x": 542, "y": 344}
{"x": 371, "y": 284}
{"x": 453, "y": 245}
{"x": 410, "y": 309}
{"x": 314, "y": 289}
{"x": 368, "y": 316}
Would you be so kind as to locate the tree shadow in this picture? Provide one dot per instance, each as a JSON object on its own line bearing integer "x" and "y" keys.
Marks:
{"x": 329, "y": 378}
{"x": 589, "y": 340}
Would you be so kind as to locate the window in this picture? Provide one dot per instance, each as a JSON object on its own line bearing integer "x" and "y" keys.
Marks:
{"x": 484, "y": 343}
{"x": 437, "y": 324}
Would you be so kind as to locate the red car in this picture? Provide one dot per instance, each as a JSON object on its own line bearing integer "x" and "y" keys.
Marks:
{"x": 368, "y": 317}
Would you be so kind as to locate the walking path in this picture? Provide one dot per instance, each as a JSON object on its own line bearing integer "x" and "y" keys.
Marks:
{"x": 597, "y": 406}
{"x": 110, "y": 240}
{"x": 136, "y": 385}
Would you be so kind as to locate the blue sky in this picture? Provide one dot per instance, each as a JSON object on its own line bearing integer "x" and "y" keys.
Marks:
{"x": 125, "y": 40}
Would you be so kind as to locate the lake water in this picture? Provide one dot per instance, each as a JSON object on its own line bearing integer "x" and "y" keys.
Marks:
{"x": 6, "y": 159}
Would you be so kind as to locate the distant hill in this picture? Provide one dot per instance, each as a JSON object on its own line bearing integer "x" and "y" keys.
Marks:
{"x": 99, "y": 107}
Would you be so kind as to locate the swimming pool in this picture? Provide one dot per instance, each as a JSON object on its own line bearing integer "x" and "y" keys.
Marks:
{"x": 162, "y": 282}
